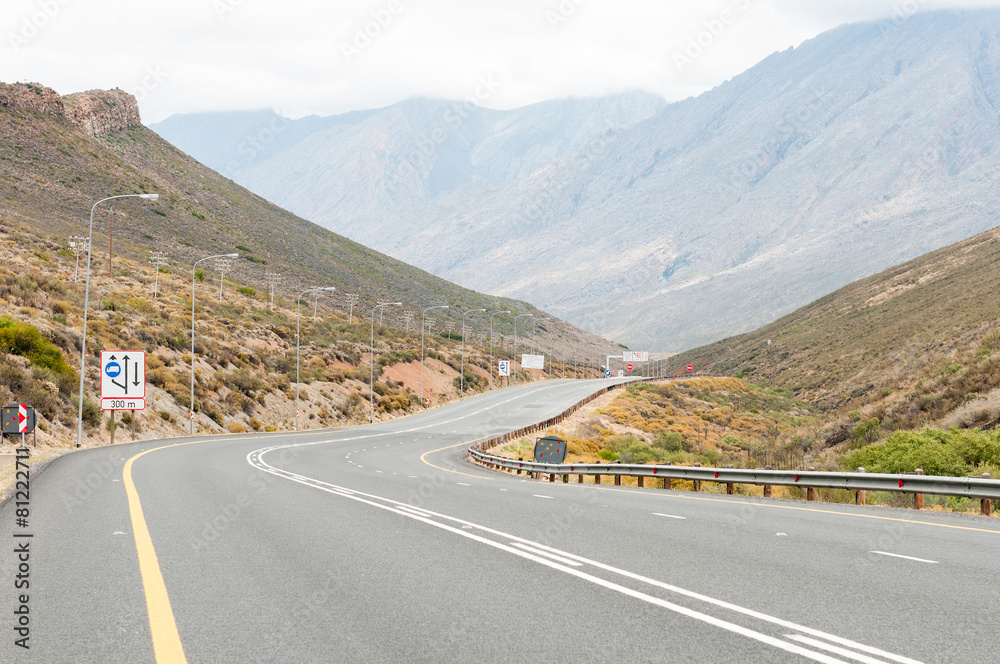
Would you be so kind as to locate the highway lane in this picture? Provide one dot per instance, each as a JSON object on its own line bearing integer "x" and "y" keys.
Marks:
{"x": 382, "y": 543}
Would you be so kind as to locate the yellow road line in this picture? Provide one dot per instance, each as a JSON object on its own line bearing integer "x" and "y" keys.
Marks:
{"x": 167, "y": 648}
{"x": 450, "y": 447}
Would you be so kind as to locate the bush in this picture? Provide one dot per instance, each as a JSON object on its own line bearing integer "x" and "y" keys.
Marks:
{"x": 246, "y": 290}
{"x": 91, "y": 411}
{"x": 19, "y": 338}
{"x": 255, "y": 424}
{"x": 671, "y": 441}
{"x": 630, "y": 449}
{"x": 236, "y": 427}
{"x": 952, "y": 453}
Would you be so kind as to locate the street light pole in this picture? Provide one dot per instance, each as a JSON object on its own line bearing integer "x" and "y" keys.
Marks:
{"x": 193, "y": 268}
{"x": 439, "y": 306}
{"x": 86, "y": 301}
{"x": 491, "y": 343}
{"x": 464, "y": 314}
{"x": 515, "y": 342}
{"x": 298, "y": 327}
{"x": 371, "y": 384}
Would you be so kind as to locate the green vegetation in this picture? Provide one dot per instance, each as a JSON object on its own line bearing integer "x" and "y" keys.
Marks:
{"x": 953, "y": 453}
{"x": 19, "y": 338}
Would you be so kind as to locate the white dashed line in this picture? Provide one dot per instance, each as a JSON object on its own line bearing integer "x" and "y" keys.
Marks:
{"x": 896, "y": 555}
{"x": 538, "y": 496}
{"x": 463, "y": 484}
{"x": 669, "y": 516}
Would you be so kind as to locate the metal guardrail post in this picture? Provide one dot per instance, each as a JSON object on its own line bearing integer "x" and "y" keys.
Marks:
{"x": 985, "y": 504}
{"x": 639, "y": 481}
{"x": 811, "y": 491}
{"x": 597, "y": 479}
{"x": 918, "y": 498}
{"x": 859, "y": 497}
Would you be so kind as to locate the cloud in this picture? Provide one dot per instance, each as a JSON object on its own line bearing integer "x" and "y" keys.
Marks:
{"x": 306, "y": 56}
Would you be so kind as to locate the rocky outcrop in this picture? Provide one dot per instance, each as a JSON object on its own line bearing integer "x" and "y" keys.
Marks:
{"x": 22, "y": 97}
{"x": 97, "y": 112}
{"x": 102, "y": 112}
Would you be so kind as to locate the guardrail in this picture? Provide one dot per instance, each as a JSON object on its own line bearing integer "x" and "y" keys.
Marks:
{"x": 982, "y": 488}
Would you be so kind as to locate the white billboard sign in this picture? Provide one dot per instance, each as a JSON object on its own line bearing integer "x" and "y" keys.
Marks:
{"x": 532, "y": 361}
{"x": 635, "y": 356}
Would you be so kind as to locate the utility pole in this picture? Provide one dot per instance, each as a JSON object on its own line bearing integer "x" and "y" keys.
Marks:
{"x": 352, "y": 299}
{"x": 111, "y": 235}
{"x": 158, "y": 259}
{"x": 407, "y": 318}
{"x": 221, "y": 266}
{"x": 272, "y": 280}
{"x": 382, "y": 304}
{"x": 79, "y": 245}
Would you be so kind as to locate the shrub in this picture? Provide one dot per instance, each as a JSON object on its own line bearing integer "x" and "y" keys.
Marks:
{"x": 671, "y": 441}
{"x": 866, "y": 432}
{"x": 255, "y": 424}
{"x": 246, "y": 290}
{"x": 236, "y": 427}
{"x": 951, "y": 453}
{"x": 270, "y": 429}
{"x": 19, "y": 338}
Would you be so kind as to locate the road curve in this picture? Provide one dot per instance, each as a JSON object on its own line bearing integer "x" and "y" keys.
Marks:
{"x": 384, "y": 544}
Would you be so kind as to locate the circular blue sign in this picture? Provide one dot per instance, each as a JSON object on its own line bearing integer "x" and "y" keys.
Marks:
{"x": 113, "y": 369}
{"x": 607, "y": 373}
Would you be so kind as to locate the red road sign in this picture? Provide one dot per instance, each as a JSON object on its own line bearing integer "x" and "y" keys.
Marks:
{"x": 690, "y": 367}
{"x": 629, "y": 367}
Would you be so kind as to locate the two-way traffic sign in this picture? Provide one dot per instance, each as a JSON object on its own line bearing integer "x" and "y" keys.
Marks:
{"x": 123, "y": 379}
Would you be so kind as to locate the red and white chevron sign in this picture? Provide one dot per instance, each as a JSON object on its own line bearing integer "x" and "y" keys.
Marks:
{"x": 22, "y": 418}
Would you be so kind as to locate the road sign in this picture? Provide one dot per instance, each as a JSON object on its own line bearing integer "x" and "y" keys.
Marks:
{"x": 690, "y": 367}
{"x": 629, "y": 367}
{"x": 550, "y": 449}
{"x": 532, "y": 361}
{"x": 123, "y": 379}
{"x": 503, "y": 368}
{"x": 18, "y": 418}
{"x": 427, "y": 401}
{"x": 635, "y": 356}
{"x": 607, "y": 373}
{"x": 621, "y": 373}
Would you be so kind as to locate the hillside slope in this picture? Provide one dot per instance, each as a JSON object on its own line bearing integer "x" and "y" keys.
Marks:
{"x": 60, "y": 155}
{"x": 860, "y": 149}
{"x": 915, "y": 345}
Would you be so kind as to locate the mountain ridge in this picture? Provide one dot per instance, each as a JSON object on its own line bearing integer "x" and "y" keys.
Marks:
{"x": 861, "y": 148}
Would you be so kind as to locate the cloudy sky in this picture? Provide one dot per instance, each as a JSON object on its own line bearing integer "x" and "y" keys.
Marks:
{"x": 326, "y": 57}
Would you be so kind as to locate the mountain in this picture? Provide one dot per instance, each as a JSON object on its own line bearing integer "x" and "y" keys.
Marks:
{"x": 59, "y": 155}
{"x": 915, "y": 345}
{"x": 663, "y": 225}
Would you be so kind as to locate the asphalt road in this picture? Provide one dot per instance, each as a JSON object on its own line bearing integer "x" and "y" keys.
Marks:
{"x": 382, "y": 544}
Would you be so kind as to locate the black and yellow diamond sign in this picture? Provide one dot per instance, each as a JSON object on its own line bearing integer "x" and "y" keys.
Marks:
{"x": 550, "y": 449}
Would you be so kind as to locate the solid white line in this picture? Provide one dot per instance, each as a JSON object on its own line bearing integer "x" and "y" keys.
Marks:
{"x": 462, "y": 484}
{"x": 896, "y": 555}
{"x": 417, "y": 511}
{"x": 843, "y": 652}
{"x": 656, "y": 601}
{"x": 539, "y": 496}
{"x": 564, "y": 561}
{"x": 669, "y": 516}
